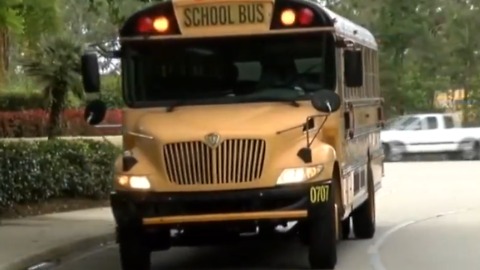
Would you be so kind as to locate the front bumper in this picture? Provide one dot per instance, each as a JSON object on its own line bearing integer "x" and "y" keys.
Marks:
{"x": 278, "y": 203}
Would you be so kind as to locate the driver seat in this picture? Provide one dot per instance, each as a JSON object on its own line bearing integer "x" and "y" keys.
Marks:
{"x": 277, "y": 72}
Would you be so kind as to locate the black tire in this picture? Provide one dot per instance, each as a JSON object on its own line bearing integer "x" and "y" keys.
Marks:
{"x": 267, "y": 230}
{"x": 346, "y": 228}
{"x": 389, "y": 156}
{"x": 322, "y": 237}
{"x": 363, "y": 218}
{"x": 134, "y": 251}
{"x": 470, "y": 154}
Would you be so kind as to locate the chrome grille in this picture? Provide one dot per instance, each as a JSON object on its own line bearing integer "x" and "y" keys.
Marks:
{"x": 233, "y": 161}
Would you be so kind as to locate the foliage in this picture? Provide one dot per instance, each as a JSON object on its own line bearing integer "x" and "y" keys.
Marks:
{"x": 426, "y": 46}
{"x": 25, "y": 94}
{"x": 111, "y": 91}
{"x": 37, "y": 171}
{"x": 57, "y": 69}
{"x": 21, "y": 101}
{"x": 22, "y": 24}
{"x": 33, "y": 123}
{"x": 117, "y": 10}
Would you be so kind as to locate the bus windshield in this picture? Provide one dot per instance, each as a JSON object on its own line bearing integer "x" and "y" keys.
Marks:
{"x": 224, "y": 70}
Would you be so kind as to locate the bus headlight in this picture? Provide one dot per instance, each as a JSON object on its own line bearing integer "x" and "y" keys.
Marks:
{"x": 134, "y": 181}
{"x": 297, "y": 175}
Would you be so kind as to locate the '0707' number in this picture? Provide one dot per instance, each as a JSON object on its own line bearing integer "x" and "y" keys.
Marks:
{"x": 319, "y": 194}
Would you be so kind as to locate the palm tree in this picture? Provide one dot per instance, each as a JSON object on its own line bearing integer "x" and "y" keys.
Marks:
{"x": 56, "y": 66}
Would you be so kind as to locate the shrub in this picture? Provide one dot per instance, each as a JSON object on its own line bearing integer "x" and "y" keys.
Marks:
{"x": 41, "y": 170}
{"x": 33, "y": 123}
{"x": 21, "y": 101}
{"x": 29, "y": 99}
{"x": 111, "y": 91}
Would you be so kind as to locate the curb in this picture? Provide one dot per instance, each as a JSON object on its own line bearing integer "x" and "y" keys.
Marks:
{"x": 115, "y": 139}
{"x": 56, "y": 255}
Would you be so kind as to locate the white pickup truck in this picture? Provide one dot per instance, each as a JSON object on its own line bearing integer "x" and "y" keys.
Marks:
{"x": 427, "y": 134}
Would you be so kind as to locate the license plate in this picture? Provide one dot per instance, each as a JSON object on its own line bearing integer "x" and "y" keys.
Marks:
{"x": 218, "y": 15}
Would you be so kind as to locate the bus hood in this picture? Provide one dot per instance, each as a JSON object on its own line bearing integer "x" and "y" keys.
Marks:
{"x": 239, "y": 120}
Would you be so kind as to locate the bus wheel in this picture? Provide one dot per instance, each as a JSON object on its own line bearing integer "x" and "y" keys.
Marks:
{"x": 134, "y": 251}
{"x": 345, "y": 228}
{"x": 363, "y": 218}
{"x": 322, "y": 236}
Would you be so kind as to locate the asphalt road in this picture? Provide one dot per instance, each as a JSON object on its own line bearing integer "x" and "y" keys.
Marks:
{"x": 428, "y": 217}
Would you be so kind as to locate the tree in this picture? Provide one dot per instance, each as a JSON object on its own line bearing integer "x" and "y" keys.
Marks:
{"x": 9, "y": 20}
{"x": 57, "y": 68}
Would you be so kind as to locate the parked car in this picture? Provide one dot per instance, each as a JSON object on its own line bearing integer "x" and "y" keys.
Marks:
{"x": 430, "y": 133}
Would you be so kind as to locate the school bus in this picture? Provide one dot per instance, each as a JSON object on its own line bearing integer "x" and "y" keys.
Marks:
{"x": 242, "y": 116}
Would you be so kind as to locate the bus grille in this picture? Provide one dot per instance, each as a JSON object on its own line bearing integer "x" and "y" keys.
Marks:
{"x": 233, "y": 161}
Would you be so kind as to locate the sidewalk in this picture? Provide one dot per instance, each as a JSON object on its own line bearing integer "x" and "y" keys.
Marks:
{"x": 26, "y": 242}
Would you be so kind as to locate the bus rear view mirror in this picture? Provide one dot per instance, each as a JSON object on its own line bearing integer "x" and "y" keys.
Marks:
{"x": 90, "y": 72}
{"x": 95, "y": 112}
{"x": 326, "y": 101}
{"x": 353, "y": 64}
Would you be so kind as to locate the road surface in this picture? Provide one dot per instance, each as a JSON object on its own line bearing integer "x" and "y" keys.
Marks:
{"x": 428, "y": 217}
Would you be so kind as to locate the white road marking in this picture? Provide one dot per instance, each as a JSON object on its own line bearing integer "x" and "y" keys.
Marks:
{"x": 374, "y": 250}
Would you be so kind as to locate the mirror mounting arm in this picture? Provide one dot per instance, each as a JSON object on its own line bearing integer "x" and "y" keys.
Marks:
{"x": 305, "y": 153}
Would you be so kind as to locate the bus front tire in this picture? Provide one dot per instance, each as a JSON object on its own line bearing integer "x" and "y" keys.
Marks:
{"x": 322, "y": 237}
{"x": 134, "y": 251}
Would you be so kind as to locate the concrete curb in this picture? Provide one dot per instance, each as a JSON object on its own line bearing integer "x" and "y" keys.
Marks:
{"x": 116, "y": 139}
{"x": 56, "y": 255}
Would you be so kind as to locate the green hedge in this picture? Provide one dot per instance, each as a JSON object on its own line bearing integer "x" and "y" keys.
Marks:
{"x": 41, "y": 170}
{"x": 21, "y": 101}
{"x": 30, "y": 99}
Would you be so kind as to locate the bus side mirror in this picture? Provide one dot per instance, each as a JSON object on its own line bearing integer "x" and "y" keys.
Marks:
{"x": 95, "y": 112}
{"x": 326, "y": 101}
{"x": 353, "y": 64}
{"x": 90, "y": 72}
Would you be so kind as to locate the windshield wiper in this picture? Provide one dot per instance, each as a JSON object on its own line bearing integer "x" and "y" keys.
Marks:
{"x": 176, "y": 104}
{"x": 275, "y": 94}
{"x": 289, "y": 101}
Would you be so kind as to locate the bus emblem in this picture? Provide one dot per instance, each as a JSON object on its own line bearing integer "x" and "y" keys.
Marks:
{"x": 212, "y": 140}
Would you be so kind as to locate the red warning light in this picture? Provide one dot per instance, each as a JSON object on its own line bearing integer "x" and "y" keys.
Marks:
{"x": 145, "y": 25}
{"x": 305, "y": 16}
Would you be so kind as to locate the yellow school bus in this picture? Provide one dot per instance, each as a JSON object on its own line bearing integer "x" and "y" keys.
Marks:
{"x": 243, "y": 116}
